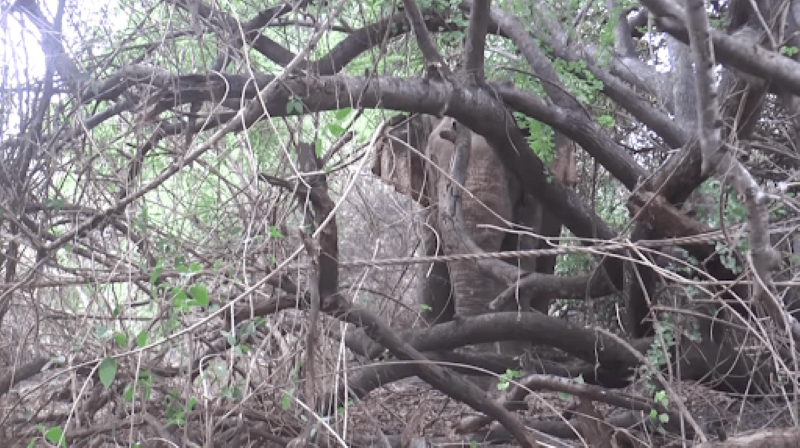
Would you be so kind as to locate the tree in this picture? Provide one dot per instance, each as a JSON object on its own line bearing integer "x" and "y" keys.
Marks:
{"x": 190, "y": 226}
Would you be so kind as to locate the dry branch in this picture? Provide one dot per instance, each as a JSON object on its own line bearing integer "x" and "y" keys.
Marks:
{"x": 719, "y": 159}
{"x": 762, "y": 438}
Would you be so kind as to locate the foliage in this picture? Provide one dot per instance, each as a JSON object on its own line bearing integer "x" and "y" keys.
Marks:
{"x": 162, "y": 254}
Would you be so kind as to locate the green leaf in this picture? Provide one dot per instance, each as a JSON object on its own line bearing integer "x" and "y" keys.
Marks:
{"x": 564, "y": 395}
{"x": 141, "y": 339}
{"x": 317, "y": 149}
{"x": 248, "y": 329}
{"x": 103, "y": 333}
{"x": 55, "y": 435}
{"x": 294, "y": 104}
{"x": 663, "y": 418}
{"x": 121, "y": 339}
{"x": 286, "y": 402}
{"x": 274, "y": 232}
{"x": 426, "y": 307}
{"x": 156, "y": 272}
{"x": 229, "y": 337}
{"x": 341, "y": 114}
{"x": 241, "y": 350}
{"x": 32, "y": 443}
{"x": 127, "y": 394}
{"x": 606, "y": 121}
{"x": 789, "y": 50}
{"x": 199, "y": 293}
{"x": 335, "y": 130}
{"x": 107, "y": 371}
{"x": 179, "y": 298}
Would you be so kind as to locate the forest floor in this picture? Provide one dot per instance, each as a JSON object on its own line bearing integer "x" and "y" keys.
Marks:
{"x": 411, "y": 414}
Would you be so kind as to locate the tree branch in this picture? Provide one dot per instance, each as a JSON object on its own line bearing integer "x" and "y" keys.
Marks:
{"x": 424, "y": 40}
{"x": 718, "y": 160}
{"x": 731, "y": 51}
{"x": 476, "y": 39}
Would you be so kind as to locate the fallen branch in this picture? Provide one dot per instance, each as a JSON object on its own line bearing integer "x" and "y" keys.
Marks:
{"x": 762, "y": 438}
{"x": 587, "y": 391}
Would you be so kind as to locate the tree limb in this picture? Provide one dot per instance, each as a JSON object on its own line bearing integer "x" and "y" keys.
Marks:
{"x": 718, "y": 159}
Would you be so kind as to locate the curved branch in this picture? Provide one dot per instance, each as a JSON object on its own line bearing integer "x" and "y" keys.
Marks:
{"x": 585, "y": 344}
{"x": 413, "y": 95}
{"x": 20, "y": 373}
{"x": 552, "y": 287}
{"x": 380, "y": 374}
{"x": 572, "y": 387}
{"x": 717, "y": 159}
{"x": 730, "y": 50}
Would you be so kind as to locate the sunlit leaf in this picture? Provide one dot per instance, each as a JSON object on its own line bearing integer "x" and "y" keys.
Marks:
{"x": 199, "y": 293}
{"x": 341, "y": 114}
{"x": 141, "y": 339}
{"x": 127, "y": 394}
{"x": 121, "y": 339}
{"x": 107, "y": 371}
{"x": 335, "y": 129}
{"x": 54, "y": 435}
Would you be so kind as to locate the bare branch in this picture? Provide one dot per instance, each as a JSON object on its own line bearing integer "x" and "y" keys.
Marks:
{"x": 718, "y": 159}
{"x": 476, "y": 39}
{"x": 424, "y": 40}
{"x": 730, "y": 50}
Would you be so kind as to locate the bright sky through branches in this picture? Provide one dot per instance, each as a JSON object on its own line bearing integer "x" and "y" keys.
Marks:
{"x": 22, "y": 57}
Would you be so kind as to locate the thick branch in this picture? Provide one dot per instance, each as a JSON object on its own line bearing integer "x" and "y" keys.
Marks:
{"x": 476, "y": 38}
{"x": 413, "y": 95}
{"x": 730, "y": 50}
{"x": 353, "y": 45}
{"x": 424, "y": 40}
{"x": 585, "y": 344}
{"x": 550, "y": 287}
{"x": 576, "y": 126}
{"x": 20, "y": 373}
{"x": 449, "y": 383}
{"x": 717, "y": 159}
